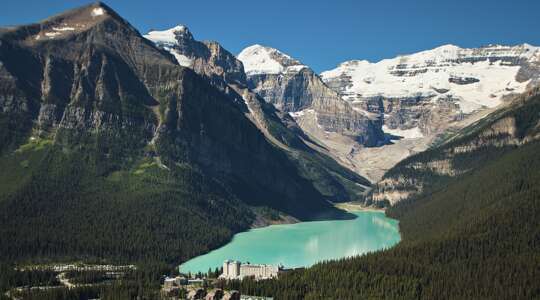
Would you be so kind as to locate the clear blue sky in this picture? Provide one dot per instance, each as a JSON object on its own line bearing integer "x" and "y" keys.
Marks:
{"x": 321, "y": 33}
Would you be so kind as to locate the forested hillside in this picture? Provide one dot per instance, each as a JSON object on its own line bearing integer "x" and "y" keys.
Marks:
{"x": 505, "y": 129}
{"x": 55, "y": 207}
{"x": 475, "y": 236}
{"x": 112, "y": 151}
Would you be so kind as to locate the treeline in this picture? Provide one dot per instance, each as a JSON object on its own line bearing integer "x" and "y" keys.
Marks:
{"x": 475, "y": 238}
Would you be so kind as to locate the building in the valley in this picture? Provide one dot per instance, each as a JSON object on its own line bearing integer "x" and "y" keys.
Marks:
{"x": 170, "y": 282}
{"x": 231, "y": 268}
{"x": 172, "y": 285}
{"x": 237, "y": 270}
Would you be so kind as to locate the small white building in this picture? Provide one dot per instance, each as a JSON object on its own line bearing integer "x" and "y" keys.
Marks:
{"x": 170, "y": 282}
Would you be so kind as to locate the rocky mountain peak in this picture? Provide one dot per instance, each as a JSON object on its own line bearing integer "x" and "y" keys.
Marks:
{"x": 204, "y": 57}
{"x": 294, "y": 88}
{"x": 177, "y": 35}
{"x": 258, "y": 59}
{"x": 69, "y": 24}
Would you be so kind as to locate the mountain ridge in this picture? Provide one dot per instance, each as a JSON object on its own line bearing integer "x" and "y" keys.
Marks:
{"x": 211, "y": 60}
{"x": 463, "y": 85}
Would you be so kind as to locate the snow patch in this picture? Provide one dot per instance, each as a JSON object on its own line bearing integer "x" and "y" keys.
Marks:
{"x": 413, "y": 133}
{"x": 180, "y": 58}
{"x": 98, "y": 11}
{"x": 301, "y": 113}
{"x": 63, "y": 28}
{"x": 295, "y": 69}
{"x": 259, "y": 59}
{"x": 296, "y": 114}
{"x": 165, "y": 37}
{"x": 52, "y": 34}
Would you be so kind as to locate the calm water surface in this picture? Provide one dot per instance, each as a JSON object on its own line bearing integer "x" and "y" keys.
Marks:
{"x": 303, "y": 244}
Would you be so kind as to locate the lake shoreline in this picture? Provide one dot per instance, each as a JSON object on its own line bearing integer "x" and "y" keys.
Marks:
{"x": 356, "y": 206}
{"x": 262, "y": 222}
{"x": 305, "y": 243}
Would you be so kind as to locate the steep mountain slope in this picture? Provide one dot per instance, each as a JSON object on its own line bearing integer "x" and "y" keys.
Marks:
{"x": 294, "y": 88}
{"x": 505, "y": 129}
{"x": 224, "y": 71}
{"x": 425, "y": 94}
{"x": 113, "y": 150}
{"x": 474, "y": 237}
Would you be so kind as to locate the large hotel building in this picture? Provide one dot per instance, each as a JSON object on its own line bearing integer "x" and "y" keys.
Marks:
{"x": 236, "y": 270}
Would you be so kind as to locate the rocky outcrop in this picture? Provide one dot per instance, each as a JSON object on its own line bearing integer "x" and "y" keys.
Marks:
{"x": 76, "y": 75}
{"x": 207, "y": 58}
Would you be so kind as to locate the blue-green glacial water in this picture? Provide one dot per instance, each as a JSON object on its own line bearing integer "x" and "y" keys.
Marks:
{"x": 303, "y": 244}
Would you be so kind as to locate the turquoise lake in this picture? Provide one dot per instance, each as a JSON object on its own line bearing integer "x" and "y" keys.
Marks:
{"x": 303, "y": 244}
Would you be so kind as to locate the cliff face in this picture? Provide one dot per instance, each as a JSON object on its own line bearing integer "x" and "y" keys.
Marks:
{"x": 226, "y": 73}
{"x": 294, "y": 88}
{"x": 503, "y": 130}
{"x": 89, "y": 81}
{"x": 207, "y": 58}
{"x": 76, "y": 74}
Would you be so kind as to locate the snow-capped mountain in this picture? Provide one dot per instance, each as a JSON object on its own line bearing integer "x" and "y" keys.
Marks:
{"x": 224, "y": 71}
{"x": 204, "y": 57}
{"x": 410, "y": 100}
{"x": 415, "y": 97}
{"x": 259, "y": 59}
{"x": 295, "y": 88}
{"x": 274, "y": 76}
{"x": 172, "y": 38}
{"x": 424, "y": 95}
{"x": 463, "y": 80}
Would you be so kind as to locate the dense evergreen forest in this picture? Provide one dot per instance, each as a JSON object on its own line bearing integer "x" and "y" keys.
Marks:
{"x": 473, "y": 236}
{"x": 59, "y": 206}
{"x": 55, "y": 208}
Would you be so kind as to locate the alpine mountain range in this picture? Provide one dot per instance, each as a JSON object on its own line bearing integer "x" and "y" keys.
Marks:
{"x": 147, "y": 150}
